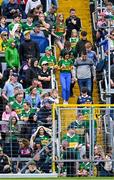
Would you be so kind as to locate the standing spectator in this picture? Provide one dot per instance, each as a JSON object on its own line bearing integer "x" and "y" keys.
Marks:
{"x": 28, "y": 48}
{"x": 44, "y": 75}
{"x": 8, "y": 90}
{"x": 12, "y": 55}
{"x": 90, "y": 53}
{"x": 51, "y": 15}
{"x": 31, "y": 4}
{"x": 16, "y": 20}
{"x": 33, "y": 98}
{"x": 80, "y": 46}
{"x": 72, "y": 22}
{"x": 32, "y": 72}
{"x": 7, "y": 114}
{"x": 48, "y": 57}
{"x": 84, "y": 72}
{"x": 84, "y": 97}
{"x": 74, "y": 38}
{"x": 65, "y": 65}
{"x": 32, "y": 168}
{"x": 29, "y": 25}
{"x": 59, "y": 30}
{"x": 3, "y": 41}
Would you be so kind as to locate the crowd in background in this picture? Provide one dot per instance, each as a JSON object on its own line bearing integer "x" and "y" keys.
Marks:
{"x": 28, "y": 31}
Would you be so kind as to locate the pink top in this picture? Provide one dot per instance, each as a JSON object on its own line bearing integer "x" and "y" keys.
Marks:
{"x": 5, "y": 117}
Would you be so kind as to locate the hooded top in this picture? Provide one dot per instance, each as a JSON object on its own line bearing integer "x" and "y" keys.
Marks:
{"x": 11, "y": 55}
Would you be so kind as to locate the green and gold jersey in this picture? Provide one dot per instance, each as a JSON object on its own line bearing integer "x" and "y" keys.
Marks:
{"x": 72, "y": 140}
{"x": 65, "y": 65}
{"x": 73, "y": 41}
{"x": 17, "y": 107}
{"x": 51, "y": 60}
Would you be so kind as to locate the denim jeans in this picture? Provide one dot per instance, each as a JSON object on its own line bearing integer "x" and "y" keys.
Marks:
{"x": 85, "y": 83}
{"x": 65, "y": 79}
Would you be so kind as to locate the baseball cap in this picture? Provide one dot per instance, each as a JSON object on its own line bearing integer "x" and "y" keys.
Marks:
{"x": 32, "y": 162}
{"x": 48, "y": 48}
{"x": 15, "y": 74}
{"x": 26, "y": 32}
{"x": 44, "y": 62}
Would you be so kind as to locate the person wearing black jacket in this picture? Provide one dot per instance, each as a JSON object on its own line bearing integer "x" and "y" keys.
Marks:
{"x": 28, "y": 48}
{"x": 80, "y": 46}
{"x": 32, "y": 72}
{"x": 72, "y": 22}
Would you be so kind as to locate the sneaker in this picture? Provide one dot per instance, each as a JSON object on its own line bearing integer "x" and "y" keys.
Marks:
{"x": 65, "y": 102}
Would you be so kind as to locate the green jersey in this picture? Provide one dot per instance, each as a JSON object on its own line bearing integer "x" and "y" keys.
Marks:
{"x": 59, "y": 28}
{"x": 17, "y": 107}
{"x": 51, "y": 60}
{"x": 25, "y": 114}
{"x": 73, "y": 41}
{"x": 44, "y": 140}
{"x": 72, "y": 140}
{"x": 27, "y": 27}
{"x": 65, "y": 65}
{"x": 39, "y": 90}
{"x": 4, "y": 45}
{"x": 11, "y": 25}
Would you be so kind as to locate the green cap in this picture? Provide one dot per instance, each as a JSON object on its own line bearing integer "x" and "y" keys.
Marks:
{"x": 48, "y": 48}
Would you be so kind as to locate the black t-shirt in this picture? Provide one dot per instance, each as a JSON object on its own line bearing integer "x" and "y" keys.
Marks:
{"x": 45, "y": 84}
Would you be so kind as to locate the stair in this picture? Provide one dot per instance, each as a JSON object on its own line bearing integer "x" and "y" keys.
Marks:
{"x": 83, "y": 12}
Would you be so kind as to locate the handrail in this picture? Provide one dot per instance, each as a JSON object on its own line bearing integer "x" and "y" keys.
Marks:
{"x": 101, "y": 92}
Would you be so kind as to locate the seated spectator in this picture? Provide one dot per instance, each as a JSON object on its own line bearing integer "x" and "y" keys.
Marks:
{"x": 54, "y": 96}
{"x": 32, "y": 168}
{"x": 84, "y": 168}
{"x": 29, "y": 25}
{"x": 43, "y": 134}
{"x": 11, "y": 9}
{"x": 28, "y": 48}
{"x": 59, "y": 31}
{"x": 26, "y": 111}
{"x": 37, "y": 32}
{"x": 24, "y": 151}
{"x": 3, "y": 24}
{"x": 33, "y": 98}
{"x": 17, "y": 105}
{"x": 90, "y": 53}
{"x": 37, "y": 85}
{"x": 12, "y": 55}
{"x": 84, "y": 96}
{"x": 74, "y": 38}
{"x": 44, "y": 75}
{"x": 48, "y": 57}
{"x": 6, "y": 116}
{"x": 31, "y": 4}
{"x": 44, "y": 116}
{"x": 5, "y": 165}
{"x": 8, "y": 90}
{"x": 3, "y": 41}
{"x": 108, "y": 10}
{"x": 32, "y": 72}
{"x": 102, "y": 23}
